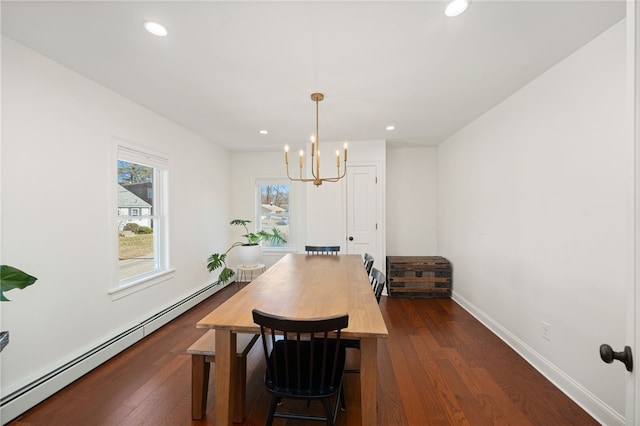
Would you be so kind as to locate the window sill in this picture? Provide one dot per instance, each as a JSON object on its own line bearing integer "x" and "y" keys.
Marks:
{"x": 140, "y": 284}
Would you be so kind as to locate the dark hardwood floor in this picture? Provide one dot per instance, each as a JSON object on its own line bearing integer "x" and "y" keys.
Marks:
{"x": 439, "y": 366}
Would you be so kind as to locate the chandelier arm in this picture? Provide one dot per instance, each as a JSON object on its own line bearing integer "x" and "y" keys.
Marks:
{"x": 288, "y": 175}
{"x": 336, "y": 179}
{"x": 339, "y": 176}
{"x": 344, "y": 172}
{"x": 301, "y": 179}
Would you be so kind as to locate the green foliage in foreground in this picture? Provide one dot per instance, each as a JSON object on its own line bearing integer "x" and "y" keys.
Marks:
{"x": 11, "y": 278}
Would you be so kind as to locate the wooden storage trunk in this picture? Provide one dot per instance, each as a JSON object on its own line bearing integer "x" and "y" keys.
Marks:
{"x": 419, "y": 276}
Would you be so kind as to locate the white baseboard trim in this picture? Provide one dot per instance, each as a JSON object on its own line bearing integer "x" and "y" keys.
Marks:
{"x": 600, "y": 411}
{"x": 28, "y": 396}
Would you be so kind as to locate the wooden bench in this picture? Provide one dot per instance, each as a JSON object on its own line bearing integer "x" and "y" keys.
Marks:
{"x": 203, "y": 353}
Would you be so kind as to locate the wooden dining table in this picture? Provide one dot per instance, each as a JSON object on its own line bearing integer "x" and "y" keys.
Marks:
{"x": 301, "y": 286}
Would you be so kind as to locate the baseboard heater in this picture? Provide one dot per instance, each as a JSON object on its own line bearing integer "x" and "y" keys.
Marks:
{"x": 21, "y": 400}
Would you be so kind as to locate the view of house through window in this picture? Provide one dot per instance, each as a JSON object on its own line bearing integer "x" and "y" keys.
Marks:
{"x": 140, "y": 219}
{"x": 273, "y": 209}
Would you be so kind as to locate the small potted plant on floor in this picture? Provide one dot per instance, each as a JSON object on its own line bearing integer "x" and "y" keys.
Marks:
{"x": 250, "y": 250}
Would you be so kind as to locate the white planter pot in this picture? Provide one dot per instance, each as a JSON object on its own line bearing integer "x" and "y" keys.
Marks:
{"x": 250, "y": 255}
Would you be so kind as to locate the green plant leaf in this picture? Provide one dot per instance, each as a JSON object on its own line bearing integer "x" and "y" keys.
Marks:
{"x": 252, "y": 238}
{"x": 11, "y": 278}
{"x": 273, "y": 237}
{"x": 277, "y": 236}
{"x": 216, "y": 260}
{"x": 225, "y": 275}
{"x": 241, "y": 222}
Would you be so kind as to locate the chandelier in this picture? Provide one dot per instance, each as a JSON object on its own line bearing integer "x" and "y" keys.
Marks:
{"x": 315, "y": 155}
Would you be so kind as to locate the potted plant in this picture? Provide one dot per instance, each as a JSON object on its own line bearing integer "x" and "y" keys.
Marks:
{"x": 11, "y": 278}
{"x": 251, "y": 244}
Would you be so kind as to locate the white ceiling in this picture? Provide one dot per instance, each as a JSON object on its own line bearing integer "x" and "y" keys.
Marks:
{"x": 229, "y": 69}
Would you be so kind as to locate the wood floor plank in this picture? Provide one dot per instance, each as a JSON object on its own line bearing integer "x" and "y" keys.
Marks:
{"x": 389, "y": 391}
{"x": 439, "y": 366}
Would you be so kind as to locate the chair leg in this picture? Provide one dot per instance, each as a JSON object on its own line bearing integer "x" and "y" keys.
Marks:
{"x": 328, "y": 412}
{"x": 272, "y": 410}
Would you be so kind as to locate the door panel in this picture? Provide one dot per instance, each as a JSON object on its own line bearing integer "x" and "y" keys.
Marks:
{"x": 362, "y": 235}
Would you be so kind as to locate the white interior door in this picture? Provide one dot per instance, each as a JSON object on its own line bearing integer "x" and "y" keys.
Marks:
{"x": 362, "y": 212}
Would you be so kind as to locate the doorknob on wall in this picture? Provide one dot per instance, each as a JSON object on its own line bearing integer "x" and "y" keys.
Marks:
{"x": 608, "y": 355}
{"x": 350, "y": 238}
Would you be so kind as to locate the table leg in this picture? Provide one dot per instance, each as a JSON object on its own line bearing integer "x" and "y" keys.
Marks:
{"x": 240, "y": 389}
{"x": 225, "y": 364}
{"x": 368, "y": 380}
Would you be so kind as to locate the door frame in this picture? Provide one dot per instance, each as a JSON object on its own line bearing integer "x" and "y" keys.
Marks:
{"x": 380, "y": 255}
{"x": 632, "y": 391}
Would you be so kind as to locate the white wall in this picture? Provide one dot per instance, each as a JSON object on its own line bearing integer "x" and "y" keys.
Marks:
{"x": 58, "y": 131}
{"x": 412, "y": 182}
{"x": 319, "y": 216}
{"x": 246, "y": 167}
{"x": 534, "y": 211}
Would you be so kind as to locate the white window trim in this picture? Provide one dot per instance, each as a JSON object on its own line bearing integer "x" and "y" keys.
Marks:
{"x": 140, "y": 283}
{"x": 256, "y": 209}
{"x": 148, "y": 157}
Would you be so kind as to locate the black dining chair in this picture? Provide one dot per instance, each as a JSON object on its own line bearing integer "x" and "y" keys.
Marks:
{"x": 305, "y": 360}
{"x": 322, "y": 249}
{"x": 378, "y": 280}
{"x": 368, "y": 263}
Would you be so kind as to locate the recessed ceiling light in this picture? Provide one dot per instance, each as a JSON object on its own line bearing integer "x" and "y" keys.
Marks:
{"x": 155, "y": 28}
{"x": 456, "y": 7}
{"x": 264, "y": 132}
{"x": 391, "y": 127}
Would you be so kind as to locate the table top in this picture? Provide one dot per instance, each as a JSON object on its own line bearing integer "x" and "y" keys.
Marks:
{"x": 305, "y": 286}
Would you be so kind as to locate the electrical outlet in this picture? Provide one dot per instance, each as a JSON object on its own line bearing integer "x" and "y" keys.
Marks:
{"x": 546, "y": 331}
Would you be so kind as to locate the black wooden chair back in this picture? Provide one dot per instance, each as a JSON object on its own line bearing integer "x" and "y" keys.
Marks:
{"x": 305, "y": 360}
{"x": 378, "y": 281}
{"x": 368, "y": 263}
{"x": 322, "y": 249}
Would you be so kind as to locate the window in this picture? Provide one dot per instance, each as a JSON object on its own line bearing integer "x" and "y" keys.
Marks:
{"x": 273, "y": 209}
{"x": 142, "y": 216}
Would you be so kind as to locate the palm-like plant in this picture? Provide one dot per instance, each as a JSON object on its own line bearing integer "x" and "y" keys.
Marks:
{"x": 218, "y": 260}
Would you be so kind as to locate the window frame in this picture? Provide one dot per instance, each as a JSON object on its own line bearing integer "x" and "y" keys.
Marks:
{"x": 259, "y": 182}
{"x": 162, "y": 270}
